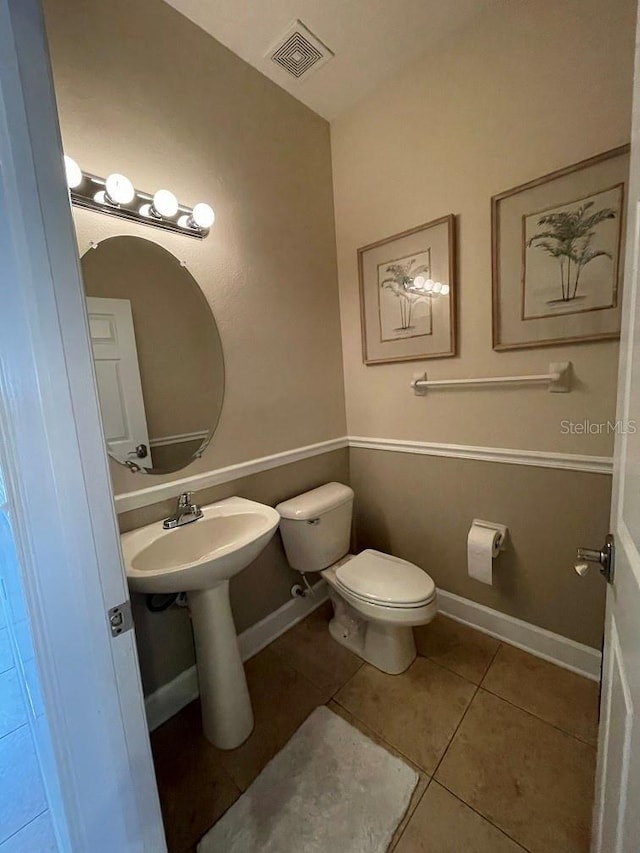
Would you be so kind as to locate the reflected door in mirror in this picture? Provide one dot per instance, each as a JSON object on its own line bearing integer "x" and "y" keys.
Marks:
{"x": 118, "y": 376}
{"x": 157, "y": 352}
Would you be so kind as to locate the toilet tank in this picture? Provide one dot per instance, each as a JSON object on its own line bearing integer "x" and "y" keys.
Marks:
{"x": 316, "y": 527}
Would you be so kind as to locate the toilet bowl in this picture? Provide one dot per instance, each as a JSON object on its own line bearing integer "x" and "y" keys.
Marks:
{"x": 377, "y": 598}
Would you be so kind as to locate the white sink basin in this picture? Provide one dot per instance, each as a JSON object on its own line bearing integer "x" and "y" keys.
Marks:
{"x": 200, "y": 558}
{"x": 202, "y": 553}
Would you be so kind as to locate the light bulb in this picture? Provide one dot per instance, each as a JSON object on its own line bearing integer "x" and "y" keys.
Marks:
{"x": 428, "y": 285}
{"x": 119, "y": 189}
{"x": 165, "y": 204}
{"x": 445, "y": 290}
{"x": 203, "y": 215}
{"x": 419, "y": 282}
{"x": 73, "y": 172}
{"x": 437, "y": 287}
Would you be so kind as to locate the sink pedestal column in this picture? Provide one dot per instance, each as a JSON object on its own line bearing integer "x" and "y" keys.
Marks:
{"x": 227, "y": 716}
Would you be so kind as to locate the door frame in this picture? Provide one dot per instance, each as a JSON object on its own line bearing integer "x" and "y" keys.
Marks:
{"x": 57, "y": 473}
{"x": 621, "y": 644}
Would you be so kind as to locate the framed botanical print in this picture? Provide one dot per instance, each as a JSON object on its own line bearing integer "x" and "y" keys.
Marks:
{"x": 408, "y": 294}
{"x": 557, "y": 252}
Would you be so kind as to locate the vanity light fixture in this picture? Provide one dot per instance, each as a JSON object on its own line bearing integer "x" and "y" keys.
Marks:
{"x": 118, "y": 190}
{"x": 117, "y": 196}
{"x": 202, "y": 216}
{"x": 164, "y": 204}
{"x": 73, "y": 172}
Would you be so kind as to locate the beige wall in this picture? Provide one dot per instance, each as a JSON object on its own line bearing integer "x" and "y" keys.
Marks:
{"x": 528, "y": 88}
{"x": 144, "y": 91}
{"x": 421, "y": 507}
{"x": 165, "y": 643}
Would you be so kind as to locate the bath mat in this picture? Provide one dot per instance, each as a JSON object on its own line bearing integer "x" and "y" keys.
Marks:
{"x": 329, "y": 789}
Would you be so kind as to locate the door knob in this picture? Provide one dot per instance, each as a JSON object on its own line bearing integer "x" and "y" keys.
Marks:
{"x": 605, "y": 559}
{"x": 141, "y": 451}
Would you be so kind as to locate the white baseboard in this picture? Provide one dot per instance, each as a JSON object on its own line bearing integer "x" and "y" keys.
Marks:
{"x": 537, "y": 641}
{"x": 258, "y": 636}
{"x": 172, "y": 697}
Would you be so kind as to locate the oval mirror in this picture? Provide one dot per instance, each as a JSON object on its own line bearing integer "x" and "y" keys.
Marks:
{"x": 157, "y": 353}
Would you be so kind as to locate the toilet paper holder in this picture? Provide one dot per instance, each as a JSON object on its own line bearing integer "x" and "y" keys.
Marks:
{"x": 503, "y": 531}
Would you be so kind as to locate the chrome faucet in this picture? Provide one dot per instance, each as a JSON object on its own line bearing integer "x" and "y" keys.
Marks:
{"x": 185, "y": 513}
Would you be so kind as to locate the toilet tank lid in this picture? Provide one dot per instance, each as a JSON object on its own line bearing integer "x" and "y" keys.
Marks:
{"x": 316, "y": 502}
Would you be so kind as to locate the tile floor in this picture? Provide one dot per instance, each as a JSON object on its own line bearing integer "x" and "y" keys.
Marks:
{"x": 504, "y": 743}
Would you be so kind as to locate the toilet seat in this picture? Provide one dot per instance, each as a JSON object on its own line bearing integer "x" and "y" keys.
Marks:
{"x": 385, "y": 581}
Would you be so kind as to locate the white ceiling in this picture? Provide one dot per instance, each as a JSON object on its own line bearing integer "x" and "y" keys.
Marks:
{"x": 371, "y": 39}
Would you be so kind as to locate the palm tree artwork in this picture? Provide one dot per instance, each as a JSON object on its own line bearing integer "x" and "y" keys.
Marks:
{"x": 400, "y": 279}
{"x": 567, "y": 236}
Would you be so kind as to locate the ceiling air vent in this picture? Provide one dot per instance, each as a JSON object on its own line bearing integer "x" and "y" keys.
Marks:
{"x": 299, "y": 51}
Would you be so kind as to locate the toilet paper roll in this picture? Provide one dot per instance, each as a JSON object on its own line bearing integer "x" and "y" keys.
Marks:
{"x": 482, "y": 547}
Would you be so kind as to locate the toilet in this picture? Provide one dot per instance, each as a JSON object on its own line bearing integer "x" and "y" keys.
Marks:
{"x": 377, "y": 599}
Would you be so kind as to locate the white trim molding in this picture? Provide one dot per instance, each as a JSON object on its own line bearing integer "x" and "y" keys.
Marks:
{"x": 535, "y": 458}
{"x": 537, "y": 641}
{"x": 161, "y": 491}
{"x": 181, "y": 438}
{"x": 174, "y": 696}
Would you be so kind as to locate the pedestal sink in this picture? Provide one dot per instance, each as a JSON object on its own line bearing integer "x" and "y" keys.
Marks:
{"x": 200, "y": 558}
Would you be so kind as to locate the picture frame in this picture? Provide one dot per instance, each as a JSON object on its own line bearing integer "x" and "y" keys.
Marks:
{"x": 408, "y": 294}
{"x": 557, "y": 246}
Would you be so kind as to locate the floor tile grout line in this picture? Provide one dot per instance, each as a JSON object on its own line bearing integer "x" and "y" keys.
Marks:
{"x": 455, "y": 732}
{"x": 390, "y": 747}
{"x": 444, "y": 668}
{"x": 519, "y": 707}
{"x": 413, "y": 811}
{"x": 448, "y": 669}
{"x": 284, "y": 659}
{"x": 477, "y": 686}
{"x": 294, "y": 669}
{"x": 480, "y": 814}
{"x": 344, "y": 684}
{"x": 459, "y": 674}
{"x": 491, "y": 662}
{"x": 477, "y": 690}
{"x": 536, "y": 717}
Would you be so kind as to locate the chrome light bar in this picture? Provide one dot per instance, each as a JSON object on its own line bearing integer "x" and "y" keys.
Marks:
{"x": 115, "y": 195}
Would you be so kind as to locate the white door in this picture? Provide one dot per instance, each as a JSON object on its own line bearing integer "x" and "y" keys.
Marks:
{"x": 617, "y": 810}
{"x": 59, "y": 496}
{"x": 115, "y": 356}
